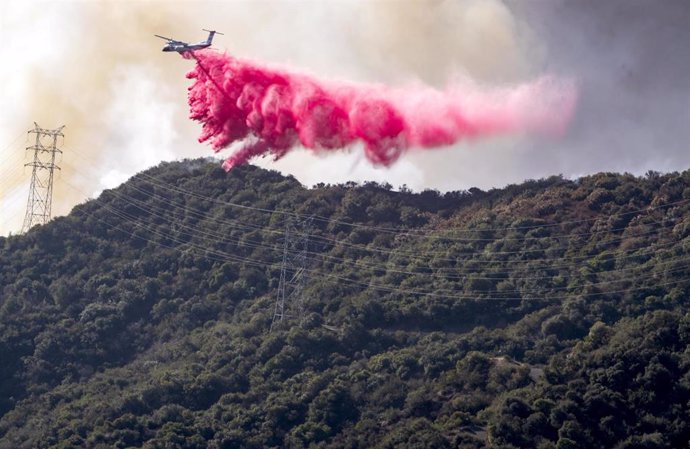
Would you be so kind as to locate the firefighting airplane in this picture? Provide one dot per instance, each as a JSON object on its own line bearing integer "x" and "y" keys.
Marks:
{"x": 182, "y": 47}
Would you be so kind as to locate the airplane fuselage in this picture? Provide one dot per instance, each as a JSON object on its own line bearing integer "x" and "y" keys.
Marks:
{"x": 185, "y": 47}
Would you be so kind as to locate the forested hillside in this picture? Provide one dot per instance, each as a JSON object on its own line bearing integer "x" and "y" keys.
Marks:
{"x": 551, "y": 314}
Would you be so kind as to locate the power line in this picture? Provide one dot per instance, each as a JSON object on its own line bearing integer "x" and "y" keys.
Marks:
{"x": 150, "y": 209}
{"x": 288, "y": 253}
{"x": 13, "y": 142}
{"x": 412, "y": 255}
{"x": 9, "y": 175}
{"x": 259, "y": 263}
{"x": 222, "y": 256}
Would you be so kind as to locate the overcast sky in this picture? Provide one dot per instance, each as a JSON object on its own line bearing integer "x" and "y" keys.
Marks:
{"x": 95, "y": 67}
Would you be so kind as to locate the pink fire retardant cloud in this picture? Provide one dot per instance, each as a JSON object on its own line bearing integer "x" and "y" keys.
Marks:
{"x": 269, "y": 111}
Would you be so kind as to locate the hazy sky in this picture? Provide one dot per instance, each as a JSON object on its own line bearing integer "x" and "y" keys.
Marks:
{"x": 95, "y": 67}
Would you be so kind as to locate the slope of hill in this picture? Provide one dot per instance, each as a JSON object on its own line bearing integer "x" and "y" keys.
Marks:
{"x": 551, "y": 314}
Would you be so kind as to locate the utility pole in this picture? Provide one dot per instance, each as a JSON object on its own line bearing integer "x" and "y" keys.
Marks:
{"x": 290, "y": 299}
{"x": 38, "y": 207}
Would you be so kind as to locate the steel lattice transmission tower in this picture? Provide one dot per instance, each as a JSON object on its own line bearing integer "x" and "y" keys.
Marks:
{"x": 38, "y": 207}
{"x": 290, "y": 299}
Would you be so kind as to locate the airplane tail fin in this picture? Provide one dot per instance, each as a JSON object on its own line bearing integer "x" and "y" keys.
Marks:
{"x": 211, "y": 33}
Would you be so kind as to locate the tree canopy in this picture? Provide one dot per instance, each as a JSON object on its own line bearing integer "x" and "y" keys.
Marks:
{"x": 550, "y": 314}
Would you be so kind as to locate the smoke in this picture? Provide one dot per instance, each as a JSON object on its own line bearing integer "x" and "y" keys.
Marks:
{"x": 631, "y": 62}
{"x": 272, "y": 110}
{"x": 94, "y": 66}
{"x": 67, "y": 64}
{"x": 433, "y": 39}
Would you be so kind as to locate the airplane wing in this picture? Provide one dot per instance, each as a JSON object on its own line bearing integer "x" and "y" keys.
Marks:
{"x": 166, "y": 38}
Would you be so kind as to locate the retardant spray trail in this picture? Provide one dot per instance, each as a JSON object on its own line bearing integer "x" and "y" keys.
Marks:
{"x": 272, "y": 110}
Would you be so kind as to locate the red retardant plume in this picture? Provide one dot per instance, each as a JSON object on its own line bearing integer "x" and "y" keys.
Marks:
{"x": 269, "y": 111}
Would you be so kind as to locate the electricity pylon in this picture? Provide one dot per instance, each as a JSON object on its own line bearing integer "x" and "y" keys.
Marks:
{"x": 38, "y": 207}
{"x": 290, "y": 296}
